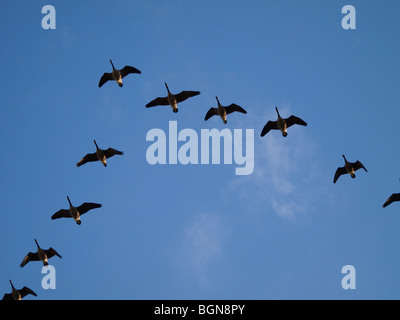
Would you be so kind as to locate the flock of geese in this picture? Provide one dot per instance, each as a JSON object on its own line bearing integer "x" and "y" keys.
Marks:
{"x": 281, "y": 124}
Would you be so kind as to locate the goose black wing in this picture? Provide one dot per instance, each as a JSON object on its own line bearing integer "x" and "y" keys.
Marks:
{"x": 50, "y": 252}
{"x": 30, "y": 257}
{"x": 185, "y": 95}
{"x": 394, "y": 197}
{"x": 294, "y": 120}
{"x": 112, "y": 152}
{"x": 88, "y": 158}
{"x": 338, "y": 173}
{"x": 63, "y": 213}
{"x": 8, "y": 296}
{"x": 127, "y": 70}
{"x": 160, "y": 101}
{"x": 25, "y": 291}
{"x": 358, "y": 165}
{"x": 210, "y": 113}
{"x": 271, "y": 125}
{"x": 85, "y": 207}
{"x": 234, "y": 107}
{"x": 106, "y": 77}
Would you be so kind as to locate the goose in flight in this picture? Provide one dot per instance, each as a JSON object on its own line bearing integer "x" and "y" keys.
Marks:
{"x": 18, "y": 294}
{"x": 394, "y": 197}
{"x": 75, "y": 212}
{"x": 99, "y": 155}
{"x": 282, "y": 124}
{"x": 117, "y": 75}
{"x": 349, "y": 167}
{"x": 40, "y": 255}
{"x": 222, "y": 111}
{"x": 172, "y": 99}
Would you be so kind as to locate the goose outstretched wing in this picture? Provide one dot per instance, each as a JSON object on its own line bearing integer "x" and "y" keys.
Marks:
{"x": 210, "y": 113}
{"x": 105, "y": 77}
{"x": 160, "y": 101}
{"x": 338, "y": 173}
{"x": 270, "y": 125}
{"x": 112, "y": 152}
{"x": 294, "y": 120}
{"x": 127, "y": 70}
{"x": 50, "y": 252}
{"x": 88, "y": 158}
{"x": 234, "y": 107}
{"x": 31, "y": 256}
{"x": 25, "y": 291}
{"x": 185, "y": 95}
{"x": 85, "y": 207}
{"x": 358, "y": 165}
{"x": 394, "y": 197}
{"x": 63, "y": 213}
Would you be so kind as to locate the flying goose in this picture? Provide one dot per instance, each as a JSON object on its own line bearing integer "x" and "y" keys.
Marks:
{"x": 394, "y": 197}
{"x": 117, "y": 75}
{"x": 40, "y": 255}
{"x": 18, "y": 294}
{"x": 99, "y": 155}
{"x": 75, "y": 212}
{"x": 282, "y": 124}
{"x": 222, "y": 111}
{"x": 172, "y": 99}
{"x": 349, "y": 167}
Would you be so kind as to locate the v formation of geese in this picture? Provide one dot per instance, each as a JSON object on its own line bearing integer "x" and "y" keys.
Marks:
{"x": 101, "y": 155}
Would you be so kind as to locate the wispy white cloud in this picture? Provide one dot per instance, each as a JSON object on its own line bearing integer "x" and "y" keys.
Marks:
{"x": 202, "y": 245}
{"x": 287, "y": 176}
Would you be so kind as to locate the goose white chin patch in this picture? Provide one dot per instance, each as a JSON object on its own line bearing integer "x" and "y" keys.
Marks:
{"x": 188, "y": 152}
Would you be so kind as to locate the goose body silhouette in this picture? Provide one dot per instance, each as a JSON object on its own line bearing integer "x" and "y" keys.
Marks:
{"x": 117, "y": 75}
{"x": 18, "y": 294}
{"x": 282, "y": 124}
{"x": 41, "y": 255}
{"x": 172, "y": 99}
{"x": 100, "y": 155}
{"x": 75, "y": 212}
{"x": 348, "y": 168}
{"x": 223, "y": 111}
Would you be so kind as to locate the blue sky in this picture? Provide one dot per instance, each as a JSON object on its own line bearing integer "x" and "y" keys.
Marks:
{"x": 200, "y": 231}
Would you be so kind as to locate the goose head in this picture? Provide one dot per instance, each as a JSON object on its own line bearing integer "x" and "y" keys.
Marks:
{"x": 69, "y": 201}
{"x": 344, "y": 158}
{"x": 37, "y": 243}
{"x": 95, "y": 143}
{"x": 112, "y": 64}
{"x": 277, "y": 111}
{"x": 166, "y": 86}
{"x": 12, "y": 286}
{"x": 218, "y": 100}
